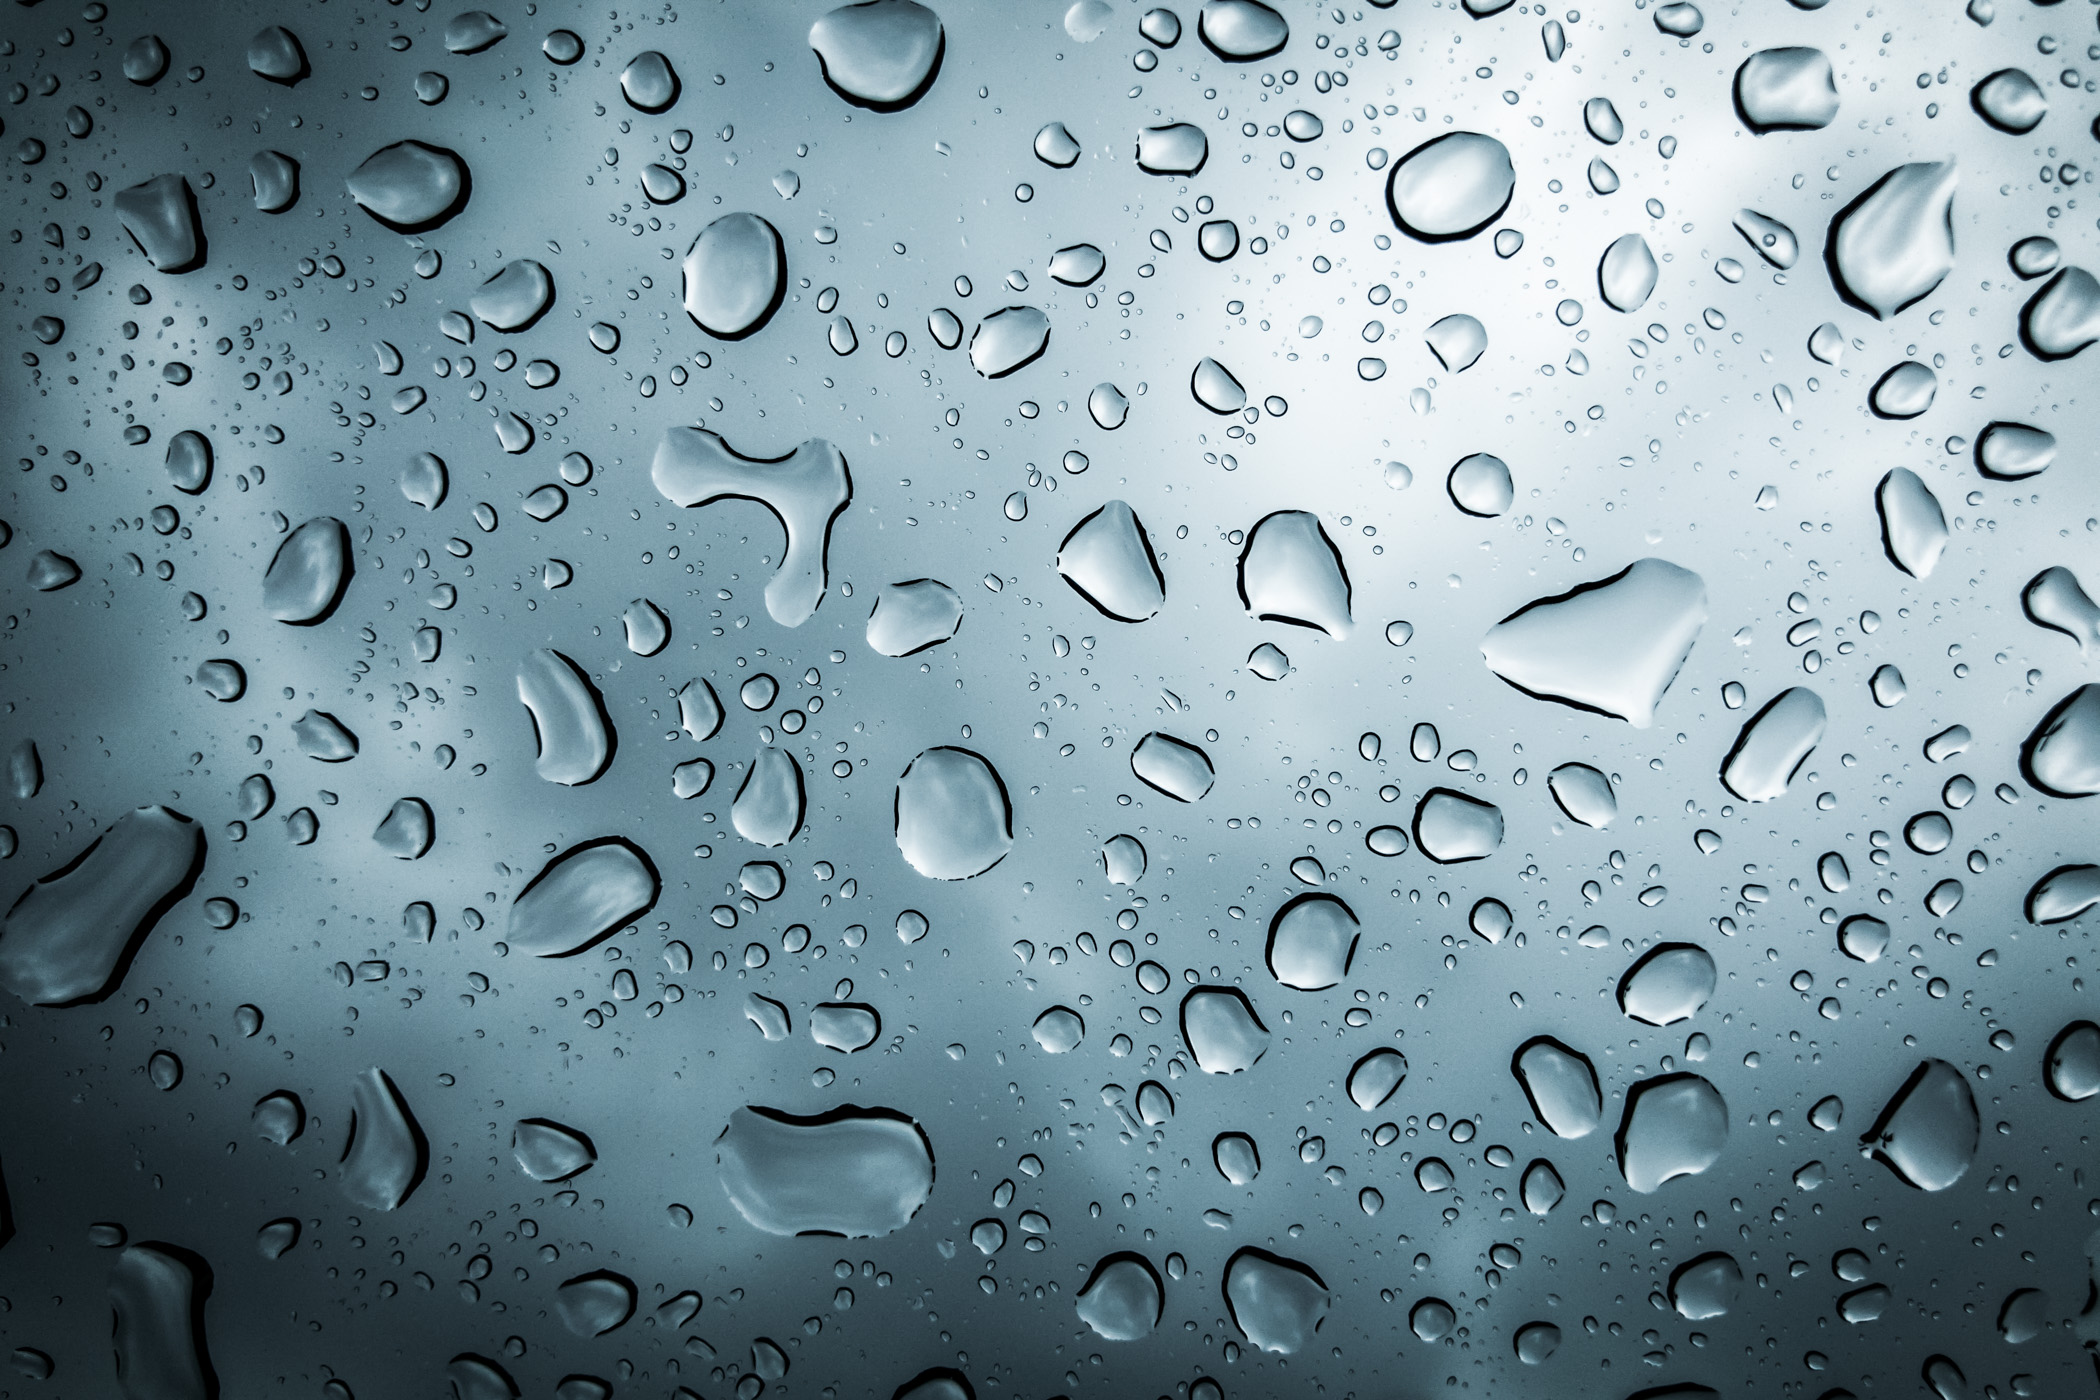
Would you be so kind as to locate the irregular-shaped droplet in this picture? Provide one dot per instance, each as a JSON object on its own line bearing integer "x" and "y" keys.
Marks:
{"x": 1452, "y": 826}
{"x": 1561, "y": 1086}
{"x": 1312, "y": 941}
{"x": 882, "y": 55}
{"x": 145, "y": 60}
{"x": 1007, "y": 340}
{"x": 411, "y": 187}
{"x": 1215, "y": 388}
{"x": 735, "y": 275}
{"x": 2054, "y": 599}
{"x": 854, "y": 1172}
{"x": 2063, "y": 317}
{"x": 1913, "y": 528}
{"x": 1773, "y": 744}
{"x": 2063, "y": 894}
{"x": 2062, "y": 754}
{"x": 160, "y": 214}
{"x": 1928, "y": 1132}
{"x": 911, "y": 616}
{"x": 1236, "y": 1158}
{"x": 1479, "y": 484}
{"x": 1123, "y": 1298}
{"x": 845, "y": 1026}
{"x": 1458, "y": 341}
{"x": 517, "y": 296}
{"x": 1290, "y": 571}
{"x": 50, "y": 571}
{"x": 1904, "y": 391}
{"x": 1626, "y": 274}
{"x": 1172, "y": 766}
{"x": 278, "y": 1117}
{"x": 1862, "y": 937}
{"x": 471, "y": 31}
{"x": 1108, "y": 560}
{"x": 1221, "y": 1029}
{"x": 1277, "y": 1303}
{"x": 385, "y": 1155}
{"x": 1452, "y": 186}
{"x": 1789, "y": 89}
{"x": 1584, "y": 793}
{"x": 582, "y": 897}
{"x": 1668, "y": 984}
{"x": 569, "y": 721}
{"x": 323, "y": 737}
{"x": 954, "y": 819}
{"x": 407, "y": 830}
{"x": 275, "y": 54}
{"x": 592, "y": 1304}
{"x": 649, "y": 83}
{"x": 424, "y": 480}
{"x": 1706, "y": 1287}
{"x": 1376, "y": 1077}
{"x": 1893, "y": 245}
{"x": 1680, "y": 19}
{"x": 1602, "y": 121}
{"x": 1675, "y": 1125}
{"x": 72, "y": 934}
{"x": 1773, "y": 240}
{"x": 768, "y": 807}
{"x": 1541, "y": 1187}
{"x": 2072, "y": 1064}
{"x": 549, "y": 1151}
{"x": 309, "y": 573}
{"x": 157, "y": 1292}
{"x": 273, "y": 178}
{"x": 806, "y": 490}
{"x": 2014, "y": 451}
{"x": 1055, "y": 146}
{"x": 1612, "y": 646}
{"x": 2010, "y": 100}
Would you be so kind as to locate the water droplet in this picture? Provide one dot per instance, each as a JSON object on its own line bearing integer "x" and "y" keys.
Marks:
{"x": 1078, "y": 265}
{"x": 1706, "y": 1287}
{"x": 157, "y": 1292}
{"x": 769, "y": 803}
{"x": 1626, "y": 274}
{"x": 1668, "y": 984}
{"x": 1432, "y": 1319}
{"x": 515, "y": 297}
{"x": 2063, "y": 317}
{"x": 274, "y": 179}
{"x": 1928, "y": 1132}
{"x": 1561, "y": 1086}
{"x": 1123, "y": 1298}
{"x": 735, "y": 275}
{"x": 806, "y": 490}
{"x": 160, "y": 214}
{"x": 649, "y": 82}
{"x": 1889, "y": 248}
{"x": 1904, "y": 391}
{"x": 1789, "y": 89}
{"x": 856, "y": 1172}
{"x": 1457, "y": 341}
{"x": 549, "y": 1151}
{"x": 386, "y": 1154}
{"x": 1172, "y": 766}
{"x": 1278, "y": 1304}
{"x": 569, "y": 721}
{"x": 2073, "y": 1061}
{"x": 1222, "y": 1031}
{"x": 1007, "y": 340}
{"x": 2063, "y": 894}
{"x": 882, "y": 55}
{"x": 411, "y": 187}
{"x": 145, "y": 60}
{"x": 1584, "y": 793}
{"x": 309, "y": 573}
{"x": 2010, "y": 100}
{"x": 1602, "y": 120}
{"x": 2014, "y": 451}
{"x": 1913, "y": 529}
{"x": 1312, "y": 941}
{"x": 953, "y": 817}
{"x": 1675, "y": 1125}
{"x": 582, "y": 897}
{"x": 909, "y": 617}
{"x": 1055, "y": 146}
{"x": 1480, "y": 485}
{"x": 1108, "y": 560}
{"x": 1613, "y": 646}
{"x": 1218, "y": 239}
{"x": 1376, "y": 1078}
{"x": 2034, "y": 257}
{"x": 2062, "y": 755}
{"x": 1541, "y": 1187}
{"x": 1240, "y": 31}
{"x": 1450, "y": 187}
{"x": 1290, "y": 571}
{"x": 275, "y": 54}
{"x": 1774, "y": 242}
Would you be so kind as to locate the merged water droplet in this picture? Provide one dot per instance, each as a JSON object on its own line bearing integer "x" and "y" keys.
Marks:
{"x": 1787, "y": 89}
{"x": 954, "y": 819}
{"x": 1928, "y": 1132}
{"x": 1612, "y": 646}
{"x": 1277, "y": 1303}
{"x": 582, "y": 897}
{"x": 854, "y": 1172}
{"x": 882, "y": 55}
{"x": 806, "y": 490}
{"x": 735, "y": 275}
{"x": 1108, "y": 560}
{"x": 569, "y": 721}
{"x": 1450, "y": 187}
{"x": 1890, "y": 247}
{"x": 1290, "y": 571}
{"x": 1675, "y": 1125}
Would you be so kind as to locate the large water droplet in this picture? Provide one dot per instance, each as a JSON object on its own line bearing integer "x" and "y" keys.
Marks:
{"x": 1479, "y": 484}
{"x": 145, "y": 60}
{"x": 1452, "y": 826}
{"x": 2062, "y": 755}
{"x": 1278, "y": 1304}
{"x": 649, "y": 82}
{"x": 2063, "y": 317}
{"x": 2073, "y": 1061}
{"x": 1706, "y": 1287}
{"x": 911, "y": 616}
{"x": 1376, "y": 1077}
{"x": 1055, "y": 146}
{"x": 1905, "y": 391}
{"x": 1178, "y": 148}
{"x": 1108, "y": 560}
{"x": 1773, "y": 745}
{"x": 160, "y": 214}
{"x": 954, "y": 819}
{"x": 1602, "y": 121}
{"x": 1561, "y": 1086}
{"x": 273, "y": 177}
{"x": 157, "y": 1292}
{"x": 735, "y": 275}
{"x": 1891, "y": 246}
{"x": 806, "y": 491}
{"x": 1123, "y": 1298}
{"x": 549, "y": 1151}
{"x": 882, "y": 55}
{"x": 1627, "y": 272}
{"x": 1007, "y": 340}
{"x": 1789, "y": 89}
{"x": 515, "y": 297}
{"x": 1541, "y": 1187}
{"x": 1584, "y": 793}
{"x": 2010, "y": 100}
{"x": 1612, "y": 646}
{"x": 2014, "y": 451}
{"x": 471, "y": 31}
{"x": 411, "y": 187}
{"x": 1913, "y": 528}
{"x": 1240, "y": 31}
{"x": 582, "y": 897}
{"x": 1078, "y": 265}
{"x": 1312, "y": 941}
{"x": 275, "y": 54}
{"x": 569, "y": 722}
{"x": 324, "y": 738}
{"x": 1450, "y": 187}
{"x": 1669, "y": 983}
{"x": 1458, "y": 341}
{"x": 72, "y": 934}
{"x": 1290, "y": 571}
{"x": 386, "y": 1154}
{"x": 309, "y": 573}
{"x": 1675, "y": 1125}
{"x": 769, "y": 803}
{"x": 853, "y": 1171}
{"x": 2063, "y": 894}
{"x": 1172, "y": 766}
{"x": 592, "y": 1304}
{"x": 1221, "y": 1029}
{"x": 1927, "y": 1134}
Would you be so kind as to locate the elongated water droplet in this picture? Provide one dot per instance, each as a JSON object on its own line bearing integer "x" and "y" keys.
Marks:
{"x": 1172, "y": 766}
{"x": 1904, "y": 391}
{"x": 1928, "y": 1132}
{"x": 411, "y": 187}
{"x": 853, "y": 1171}
{"x": 583, "y": 896}
{"x": 1913, "y": 528}
{"x": 386, "y": 1154}
{"x": 1240, "y": 31}
{"x": 160, "y": 214}
{"x": 1561, "y": 1086}
{"x": 2014, "y": 451}
{"x": 1450, "y": 187}
{"x": 156, "y": 1292}
{"x": 806, "y": 490}
{"x": 1627, "y": 273}
{"x": 1178, "y": 148}
{"x": 1584, "y": 793}
{"x": 569, "y": 721}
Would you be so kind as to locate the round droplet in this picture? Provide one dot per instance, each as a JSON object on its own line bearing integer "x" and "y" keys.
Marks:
{"x": 1450, "y": 187}
{"x": 735, "y": 276}
{"x": 953, "y": 817}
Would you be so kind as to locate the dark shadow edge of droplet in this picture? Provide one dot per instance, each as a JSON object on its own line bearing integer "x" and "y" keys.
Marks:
{"x": 1626, "y": 980}
{"x": 1268, "y": 955}
{"x": 1421, "y": 236}
{"x": 342, "y": 583}
{"x": 178, "y": 892}
{"x": 443, "y": 216}
{"x": 201, "y": 1282}
{"x": 1129, "y": 1256}
{"x": 1364, "y": 1059}
{"x": 933, "y": 70}
{"x": 1682, "y": 1390}
{"x": 1275, "y": 1261}
{"x": 1516, "y": 1059}
{"x": 1743, "y": 737}
{"x": 2042, "y": 731}
{"x": 656, "y": 883}
{"x": 932, "y": 1375}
